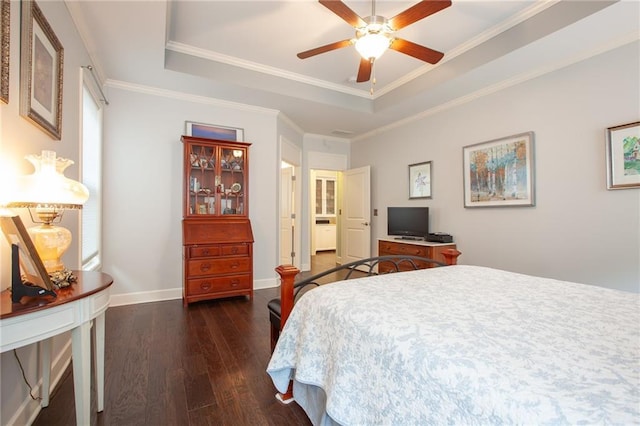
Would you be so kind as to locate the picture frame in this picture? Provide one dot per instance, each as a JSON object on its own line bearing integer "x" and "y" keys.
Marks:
{"x": 41, "y": 69}
{"x": 500, "y": 172}
{"x": 5, "y": 36}
{"x": 623, "y": 156}
{"x": 213, "y": 131}
{"x": 420, "y": 180}
{"x": 31, "y": 265}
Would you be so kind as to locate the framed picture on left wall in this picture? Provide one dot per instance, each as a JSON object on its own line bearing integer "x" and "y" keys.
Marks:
{"x": 5, "y": 21}
{"x": 41, "y": 67}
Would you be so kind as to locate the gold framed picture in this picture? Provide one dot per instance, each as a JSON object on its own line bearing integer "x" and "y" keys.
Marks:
{"x": 623, "y": 156}
{"x": 5, "y": 21}
{"x": 41, "y": 67}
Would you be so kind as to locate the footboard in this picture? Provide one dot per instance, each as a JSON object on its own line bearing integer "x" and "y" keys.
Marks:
{"x": 279, "y": 309}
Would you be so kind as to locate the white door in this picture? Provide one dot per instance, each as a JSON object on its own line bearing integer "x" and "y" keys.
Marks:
{"x": 357, "y": 214}
{"x": 286, "y": 216}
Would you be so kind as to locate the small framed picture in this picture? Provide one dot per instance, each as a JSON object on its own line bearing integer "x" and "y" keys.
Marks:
{"x": 31, "y": 266}
{"x": 212, "y": 131}
{"x": 420, "y": 180}
{"x": 41, "y": 68}
{"x": 499, "y": 173}
{"x": 623, "y": 156}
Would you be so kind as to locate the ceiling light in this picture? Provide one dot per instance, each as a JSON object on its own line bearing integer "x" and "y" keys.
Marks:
{"x": 374, "y": 39}
{"x": 372, "y": 46}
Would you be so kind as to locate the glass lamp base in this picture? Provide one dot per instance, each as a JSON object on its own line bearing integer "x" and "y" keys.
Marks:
{"x": 51, "y": 243}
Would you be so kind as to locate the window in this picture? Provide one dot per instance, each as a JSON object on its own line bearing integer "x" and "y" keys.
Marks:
{"x": 92, "y": 178}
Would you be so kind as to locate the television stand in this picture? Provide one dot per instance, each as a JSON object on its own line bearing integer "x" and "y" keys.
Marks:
{"x": 390, "y": 246}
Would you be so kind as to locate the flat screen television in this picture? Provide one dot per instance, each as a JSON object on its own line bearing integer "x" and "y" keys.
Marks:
{"x": 408, "y": 222}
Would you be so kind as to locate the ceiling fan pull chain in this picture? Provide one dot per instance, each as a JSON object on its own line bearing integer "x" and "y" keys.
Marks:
{"x": 373, "y": 75}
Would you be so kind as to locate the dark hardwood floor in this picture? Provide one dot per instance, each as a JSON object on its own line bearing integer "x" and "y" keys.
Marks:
{"x": 205, "y": 365}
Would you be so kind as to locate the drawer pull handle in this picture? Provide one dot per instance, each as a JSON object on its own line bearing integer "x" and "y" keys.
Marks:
{"x": 234, "y": 283}
{"x": 234, "y": 250}
{"x": 205, "y": 252}
{"x": 234, "y": 265}
{"x": 205, "y": 285}
{"x": 204, "y": 267}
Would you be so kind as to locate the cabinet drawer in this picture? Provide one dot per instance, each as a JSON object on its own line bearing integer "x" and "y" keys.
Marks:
{"x": 206, "y": 251}
{"x": 219, "y": 250}
{"x": 201, "y": 267}
{"x": 218, "y": 284}
{"x": 409, "y": 249}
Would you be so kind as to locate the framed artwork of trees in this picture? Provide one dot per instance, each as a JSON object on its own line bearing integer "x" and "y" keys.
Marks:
{"x": 500, "y": 172}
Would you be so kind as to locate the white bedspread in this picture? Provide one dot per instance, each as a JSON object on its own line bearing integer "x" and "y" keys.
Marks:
{"x": 463, "y": 345}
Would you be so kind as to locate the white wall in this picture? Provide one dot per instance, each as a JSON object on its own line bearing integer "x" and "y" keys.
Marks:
{"x": 578, "y": 230}
{"x": 143, "y": 188}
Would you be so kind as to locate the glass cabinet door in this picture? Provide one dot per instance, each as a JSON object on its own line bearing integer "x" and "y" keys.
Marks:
{"x": 319, "y": 197}
{"x": 202, "y": 179}
{"x": 232, "y": 180}
{"x": 330, "y": 194}
{"x": 216, "y": 174}
{"x": 325, "y": 197}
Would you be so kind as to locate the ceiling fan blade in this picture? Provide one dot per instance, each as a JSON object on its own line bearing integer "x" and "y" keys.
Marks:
{"x": 417, "y": 12}
{"x": 343, "y": 11}
{"x": 364, "y": 72}
{"x": 323, "y": 49}
{"x": 417, "y": 51}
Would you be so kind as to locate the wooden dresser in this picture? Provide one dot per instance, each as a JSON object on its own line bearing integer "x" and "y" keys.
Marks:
{"x": 218, "y": 260}
{"x": 387, "y": 246}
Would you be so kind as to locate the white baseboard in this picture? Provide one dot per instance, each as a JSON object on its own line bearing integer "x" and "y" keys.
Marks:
{"x": 266, "y": 283}
{"x": 174, "y": 293}
{"x": 145, "y": 297}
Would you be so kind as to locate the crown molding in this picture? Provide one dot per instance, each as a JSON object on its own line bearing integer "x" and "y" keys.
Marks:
{"x": 188, "y": 97}
{"x": 263, "y": 69}
{"x": 521, "y": 78}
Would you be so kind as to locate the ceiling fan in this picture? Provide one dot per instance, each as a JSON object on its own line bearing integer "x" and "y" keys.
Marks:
{"x": 375, "y": 34}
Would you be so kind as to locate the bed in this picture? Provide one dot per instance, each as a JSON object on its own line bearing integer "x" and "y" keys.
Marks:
{"x": 462, "y": 345}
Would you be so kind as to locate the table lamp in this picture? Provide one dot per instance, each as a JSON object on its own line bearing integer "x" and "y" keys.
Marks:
{"x": 48, "y": 192}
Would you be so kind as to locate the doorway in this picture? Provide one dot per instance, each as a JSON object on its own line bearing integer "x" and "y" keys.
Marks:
{"x": 290, "y": 205}
{"x": 324, "y": 211}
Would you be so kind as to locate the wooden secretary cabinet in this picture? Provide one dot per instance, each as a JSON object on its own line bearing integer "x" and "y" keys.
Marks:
{"x": 387, "y": 246}
{"x": 216, "y": 232}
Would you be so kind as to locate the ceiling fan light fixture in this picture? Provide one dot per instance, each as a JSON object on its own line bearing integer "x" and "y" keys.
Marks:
{"x": 372, "y": 45}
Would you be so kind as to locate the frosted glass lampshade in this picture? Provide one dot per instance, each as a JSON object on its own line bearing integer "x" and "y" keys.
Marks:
{"x": 49, "y": 193}
{"x": 372, "y": 45}
{"x": 47, "y": 186}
